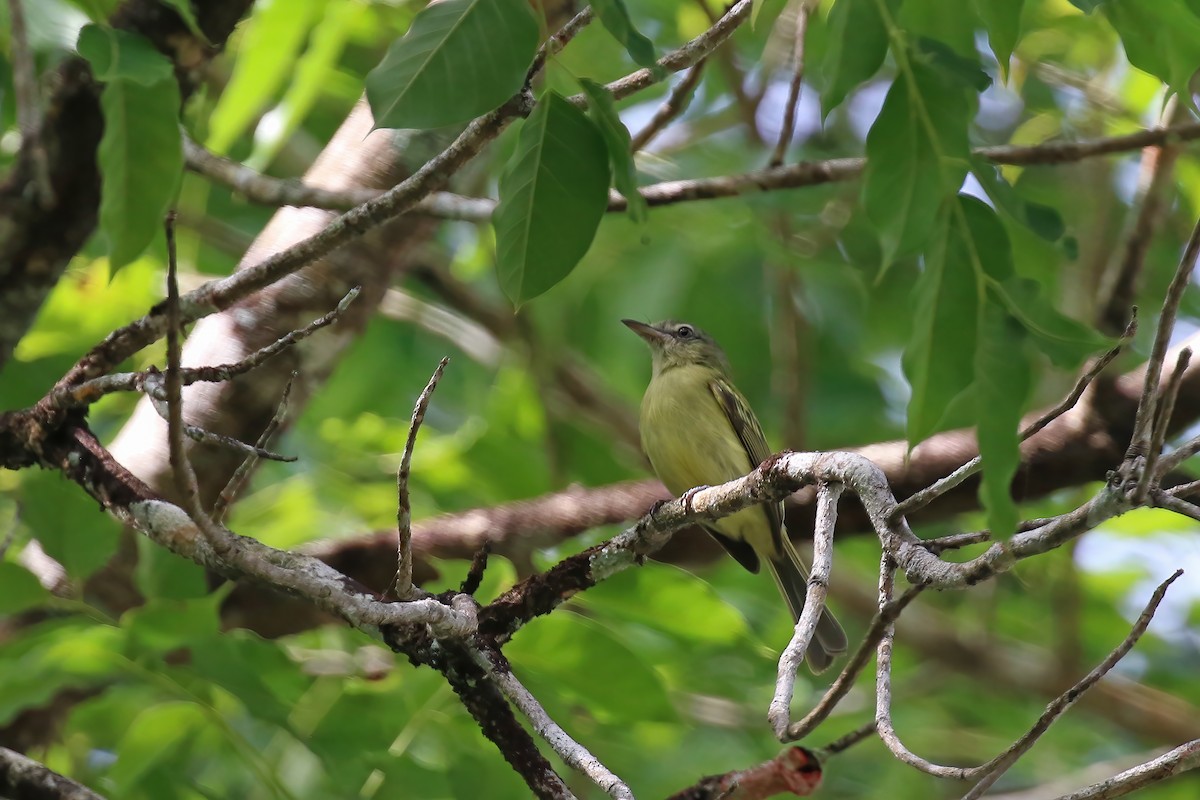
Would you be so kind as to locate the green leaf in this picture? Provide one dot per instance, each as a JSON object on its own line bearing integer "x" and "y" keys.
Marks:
{"x": 68, "y": 524}
{"x": 162, "y": 574}
{"x": 552, "y": 198}
{"x": 592, "y": 666}
{"x": 1044, "y": 221}
{"x": 614, "y": 15}
{"x": 858, "y": 43}
{"x": 1002, "y": 20}
{"x": 1066, "y": 342}
{"x": 671, "y": 600}
{"x": 939, "y": 358}
{"x": 917, "y": 153}
{"x": 1160, "y": 37}
{"x": 117, "y": 55}
{"x": 603, "y": 112}
{"x": 1003, "y": 375}
{"x": 967, "y": 72}
{"x": 141, "y": 161}
{"x": 459, "y": 59}
{"x": 160, "y": 626}
{"x": 273, "y": 37}
{"x": 156, "y": 736}
{"x": 19, "y": 589}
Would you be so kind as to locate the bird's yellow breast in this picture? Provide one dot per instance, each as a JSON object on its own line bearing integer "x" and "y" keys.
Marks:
{"x": 690, "y": 442}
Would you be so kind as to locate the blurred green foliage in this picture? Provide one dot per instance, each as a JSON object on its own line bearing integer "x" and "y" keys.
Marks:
{"x": 663, "y": 673}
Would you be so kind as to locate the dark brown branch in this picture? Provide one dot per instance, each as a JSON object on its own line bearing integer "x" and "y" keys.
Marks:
{"x": 675, "y": 104}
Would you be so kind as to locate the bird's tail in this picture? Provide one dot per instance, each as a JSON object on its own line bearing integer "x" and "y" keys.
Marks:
{"x": 792, "y": 579}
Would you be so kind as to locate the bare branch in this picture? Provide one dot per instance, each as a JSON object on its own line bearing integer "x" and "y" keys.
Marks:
{"x": 236, "y": 481}
{"x": 1143, "y": 425}
{"x": 676, "y": 103}
{"x": 843, "y": 743}
{"x": 1162, "y": 419}
{"x": 88, "y": 392}
{"x": 1181, "y": 759}
{"x": 571, "y": 752}
{"x": 803, "y": 9}
{"x": 553, "y": 45}
{"x": 403, "y": 586}
{"x": 779, "y": 711}
{"x": 854, "y": 667}
{"x": 1171, "y": 503}
{"x": 994, "y": 769}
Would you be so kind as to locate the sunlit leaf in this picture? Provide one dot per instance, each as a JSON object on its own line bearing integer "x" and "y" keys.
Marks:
{"x": 459, "y": 59}
{"x": 274, "y": 36}
{"x": 157, "y": 735}
{"x": 552, "y": 198}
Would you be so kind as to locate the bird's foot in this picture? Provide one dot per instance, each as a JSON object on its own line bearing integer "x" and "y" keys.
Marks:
{"x": 687, "y": 497}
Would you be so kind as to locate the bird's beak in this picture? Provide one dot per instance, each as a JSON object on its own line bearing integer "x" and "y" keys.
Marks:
{"x": 651, "y": 334}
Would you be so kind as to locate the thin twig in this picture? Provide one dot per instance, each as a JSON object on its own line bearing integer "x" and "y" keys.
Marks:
{"x": 1119, "y": 288}
{"x": 803, "y": 9}
{"x": 935, "y": 490}
{"x": 181, "y": 468}
{"x": 989, "y": 773}
{"x": 843, "y": 743}
{"x": 676, "y": 103}
{"x": 779, "y": 711}
{"x": 29, "y": 104}
{"x": 955, "y": 541}
{"x": 148, "y": 381}
{"x": 1143, "y": 424}
{"x": 788, "y": 176}
{"x": 240, "y": 475}
{"x": 1161, "y": 499}
{"x": 854, "y": 667}
{"x": 1163, "y": 417}
{"x": 474, "y": 578}
{"x": 402, "y": 586}
{"x": 1181, "y": 759}
{"x": 572, "y": 753}
{"x": 553, "y": 45}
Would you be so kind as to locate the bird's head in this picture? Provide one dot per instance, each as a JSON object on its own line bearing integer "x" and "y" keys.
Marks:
{"x": 677, "y": 344}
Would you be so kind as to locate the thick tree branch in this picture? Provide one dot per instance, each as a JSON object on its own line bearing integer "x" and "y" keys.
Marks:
{"x": 22, "y": 778}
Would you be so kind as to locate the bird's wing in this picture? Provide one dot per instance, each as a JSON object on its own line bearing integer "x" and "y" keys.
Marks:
{"x": 745, "y": 424}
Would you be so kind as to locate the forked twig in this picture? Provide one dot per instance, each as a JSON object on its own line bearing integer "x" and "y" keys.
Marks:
{"x": 402, "y": 586}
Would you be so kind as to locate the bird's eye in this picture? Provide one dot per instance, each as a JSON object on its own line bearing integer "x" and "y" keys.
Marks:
{"x": 685, "y": 332}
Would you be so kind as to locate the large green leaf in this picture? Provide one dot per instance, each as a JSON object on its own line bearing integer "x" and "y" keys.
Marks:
{"x": 67, "y": 524}
{"x": 1043, "y": 220}
{"x": 141, "y": 161}
{"x": 939, "y": 358}
{"x": 459, "y": 59}
{"x": 1160, "y": 37}
{"x": 157, "y": 736}
{"x": 1064, "y": 340}
{"x": 551, "y": 199}
{"x": 917, "y": 153}
{"x": 1002, "y": 381}
{"x": 858, "y": 43}
{"x": 616, "y": 138}
{"x": 1002, "y": 19}
{"x": 614, "y": 15}
{"x": 120, "y": 55}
